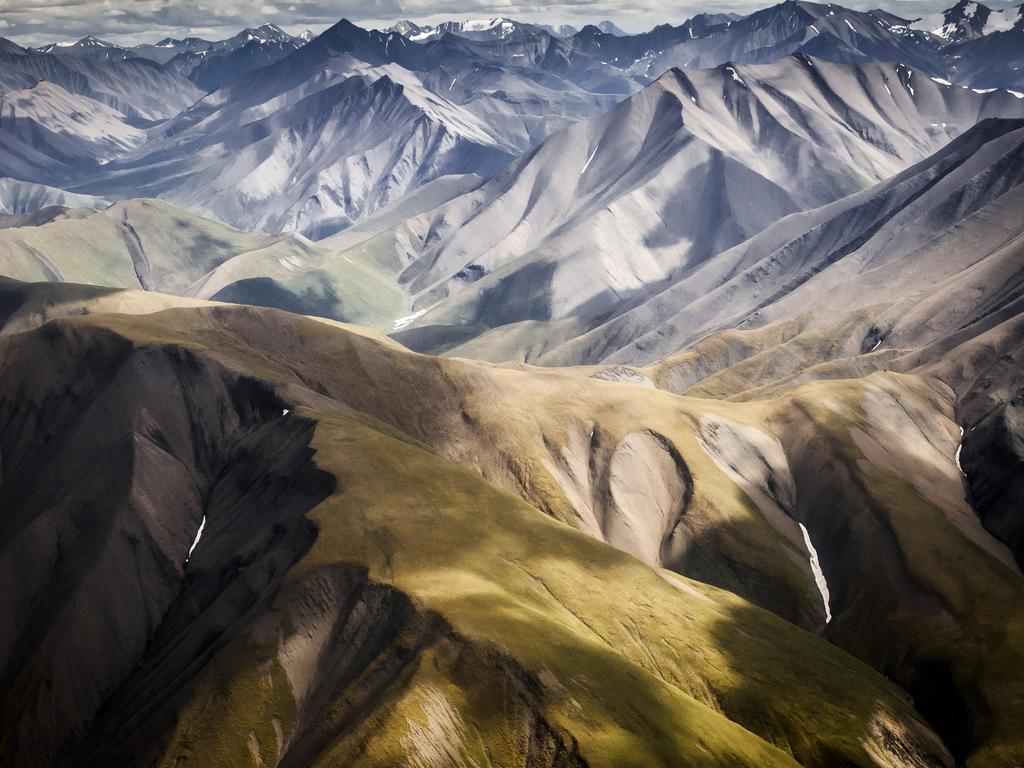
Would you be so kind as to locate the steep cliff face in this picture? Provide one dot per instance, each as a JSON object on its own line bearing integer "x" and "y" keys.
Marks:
{"x": 143, "y": 450}
{"x": 992, "y": 459}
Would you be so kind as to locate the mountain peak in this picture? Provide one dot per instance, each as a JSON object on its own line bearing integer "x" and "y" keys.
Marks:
{"x": 265, "y": 33}
{"x": 481, "y": 28}
{"x": 560, "y": 30}
{"x": 610, "y": 28}
{"x": 184, "y": 42}
{"x": 87, "y": 43}
{"x": 346, "y": 27}
{"x": 965, "y": 20}
{"x": 11, "y": 48}
{"x": 348, "y": 37}
{"x": 270, "y": 29}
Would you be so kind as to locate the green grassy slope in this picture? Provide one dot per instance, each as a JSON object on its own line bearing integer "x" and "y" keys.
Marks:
{"x": 151, "y": 244}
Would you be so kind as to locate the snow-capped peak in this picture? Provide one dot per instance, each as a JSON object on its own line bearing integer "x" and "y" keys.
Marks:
{"x": 969, "y": 19}
{"x": 499, "y": 27}
{"x": 92, "y": 42}
{"x": 84, "y": 44}
{"x": 481, "y": 25}
{"x": 265, "y": 33}
{"x": 610, "y": 28}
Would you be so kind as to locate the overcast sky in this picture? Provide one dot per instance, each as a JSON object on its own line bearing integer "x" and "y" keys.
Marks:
{"x": 34, "y": 22}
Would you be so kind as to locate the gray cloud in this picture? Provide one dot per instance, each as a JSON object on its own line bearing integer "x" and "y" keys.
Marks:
{"x": 34, "y": 22}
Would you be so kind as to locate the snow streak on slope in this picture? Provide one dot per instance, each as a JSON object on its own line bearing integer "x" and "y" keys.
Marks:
{"x": 819, "y": 577}
{"x": 195, "y": 541}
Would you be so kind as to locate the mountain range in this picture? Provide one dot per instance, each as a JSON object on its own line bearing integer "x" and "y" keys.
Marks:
{"x": 491, "y": 393}
{"x": 465, "y": 98}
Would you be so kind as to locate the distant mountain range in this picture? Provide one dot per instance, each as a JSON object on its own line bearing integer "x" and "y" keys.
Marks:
{"x": 499, "y": 28}
{"x": 208, "y": 64}
{"x": 253, "y": 131}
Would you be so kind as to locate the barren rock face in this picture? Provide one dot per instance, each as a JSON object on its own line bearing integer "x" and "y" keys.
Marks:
{"x": 993, "y": 462}
{"x": 649, "y": 488}
{"x": 632, "y": 494}
{"x": 140, "y": 446}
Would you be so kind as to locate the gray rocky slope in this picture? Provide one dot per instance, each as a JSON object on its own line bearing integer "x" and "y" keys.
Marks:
{"x": 605, "y": 213}
{"x": 488, "y": 91}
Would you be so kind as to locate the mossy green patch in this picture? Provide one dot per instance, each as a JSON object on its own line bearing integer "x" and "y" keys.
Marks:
{"x": 241, "y": 712}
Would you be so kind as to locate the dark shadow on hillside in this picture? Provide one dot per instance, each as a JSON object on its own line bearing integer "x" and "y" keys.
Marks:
{"x": 114, "y": 456}
{"x": 53, "y": 297}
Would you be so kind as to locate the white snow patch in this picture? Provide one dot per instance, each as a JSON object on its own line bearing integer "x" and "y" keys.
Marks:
{"x": 735, "y": 77}
{"x": 285, "y": 412}
{"x": 849, "y": 25}
{"x": 589, "y": 160}
{"x": 1002, "y": 21}
{"x": 819, "y": 577}
{"x": 940, "y": 81}
{"x": 404, "y": 321}
{"x": 482, "y": 25}
{"x": 983, "y": 91}
{"x": 960, "y": 446}
{"x": 1016, "y": 94}
{"x": 199, "y": 535}
{"x": 910, "y": 88}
